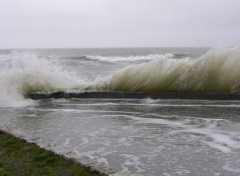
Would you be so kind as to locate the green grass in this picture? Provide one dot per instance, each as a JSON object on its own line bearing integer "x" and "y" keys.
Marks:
{"x": 19, "y": 158}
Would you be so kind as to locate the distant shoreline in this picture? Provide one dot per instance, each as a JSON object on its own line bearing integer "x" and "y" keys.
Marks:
{"x": 139, "y": 95}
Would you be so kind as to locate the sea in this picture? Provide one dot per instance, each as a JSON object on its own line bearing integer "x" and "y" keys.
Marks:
{"x": 149, "y": 137}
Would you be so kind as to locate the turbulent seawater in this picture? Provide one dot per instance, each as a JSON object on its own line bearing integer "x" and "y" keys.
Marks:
{"x": 145, "y": 136}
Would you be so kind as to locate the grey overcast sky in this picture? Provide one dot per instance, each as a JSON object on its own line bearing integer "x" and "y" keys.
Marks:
{"x": 118, "y": 23}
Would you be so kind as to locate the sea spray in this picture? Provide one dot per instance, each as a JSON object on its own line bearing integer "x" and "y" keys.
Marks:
{"x": 23, "y": 73}
{"x": 216, "y": 71}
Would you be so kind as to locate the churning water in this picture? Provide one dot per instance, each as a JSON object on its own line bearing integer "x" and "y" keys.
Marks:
{"x": 145, "y": 136}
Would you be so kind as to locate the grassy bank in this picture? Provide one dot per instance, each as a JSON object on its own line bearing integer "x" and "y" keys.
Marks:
{"x": 19, "y": 158}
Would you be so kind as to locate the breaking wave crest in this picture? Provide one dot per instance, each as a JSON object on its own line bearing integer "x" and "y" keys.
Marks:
{"x": 216, "y": 71}
{"x": 23, "y": 73}
{"x": 129, "y": 58}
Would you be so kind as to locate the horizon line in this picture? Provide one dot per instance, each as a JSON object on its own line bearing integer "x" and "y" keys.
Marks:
{"x": 131, "y": 47}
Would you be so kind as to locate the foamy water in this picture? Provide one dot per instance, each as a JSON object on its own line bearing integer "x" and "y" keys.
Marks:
{"x": 149, "y": 137}
{"x": 130, "y": 58}
{"x": 173, "y": 137}
{"x": 24, "y": 72}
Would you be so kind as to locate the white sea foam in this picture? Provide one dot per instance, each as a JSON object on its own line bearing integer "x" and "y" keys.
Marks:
{"x": 157, "y": 121}
{"x": 23, "y": 73}
{"x": 207, "y": 131}
{"x": 128, "y": 58}
{"x": 132, "y": 160}
{"x": 228, "y": 167}
{"x": 223, "y": 140}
